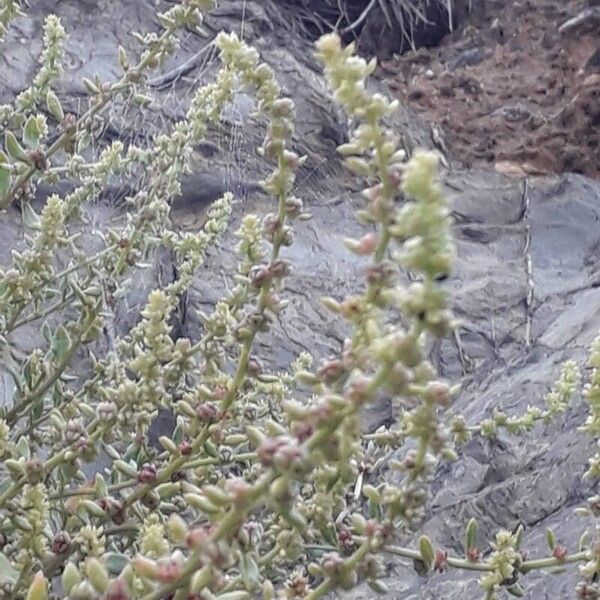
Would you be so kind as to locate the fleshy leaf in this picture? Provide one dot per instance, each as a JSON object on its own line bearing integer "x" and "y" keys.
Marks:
{"x": 61, "y": 343}
{"x": 31, "y": 132}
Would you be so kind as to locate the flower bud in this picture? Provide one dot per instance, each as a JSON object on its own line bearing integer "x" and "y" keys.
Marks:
{"x": 200, "y": 503}
{"x": 216, "y": 495}
{"x": 441, "y": 561}
{"x": 197, "y": 539}
{"x": 106, "y": 411}
{"x": 117, "y": 590}
{"x": 168, "y": 489}
{"x": 372, "y": 494}
{"x": 145, "y": 567}
{"x": 280, "y": 491}
{"x": 268, "y": 591}
{"x": 177, "y": 529}
{"x": 147, "y": 473}
{"x": 70, "y": 577}
{"x": 560, "y": 553}
{"x": 97, "y": 574}
{"x": 208, "y": 412}
{"x": 38, "y": 590}
{"x": 168, "y": 570}
{"x": 473, "y": 554}
{"x": 61, "y": 543}
{"x": 34, "y": 469}
{"x": 438, "y": 393}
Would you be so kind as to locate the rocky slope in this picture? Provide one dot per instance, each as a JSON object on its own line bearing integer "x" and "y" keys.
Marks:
{"x": 527, "y": 280}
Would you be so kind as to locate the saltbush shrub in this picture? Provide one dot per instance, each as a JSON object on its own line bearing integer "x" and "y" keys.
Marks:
{"x": 267, "y": 487}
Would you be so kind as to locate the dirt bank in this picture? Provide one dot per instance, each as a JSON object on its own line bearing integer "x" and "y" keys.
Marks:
{"x": 509, "y": 89}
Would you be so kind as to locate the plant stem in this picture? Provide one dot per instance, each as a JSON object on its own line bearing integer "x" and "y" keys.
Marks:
{"x": 464, "y": 564}
{"x": 16, "y": 412}
{"x": 102, "y": 100}
{"x": 546, "y": 563}
{"x": 322, "y": 590}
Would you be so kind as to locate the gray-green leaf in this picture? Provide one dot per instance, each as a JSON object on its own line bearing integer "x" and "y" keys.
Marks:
{"x": 13, "y": 147}
{"x": 31, "y": 132}
{"x": 30, "y": 218}
{"x": 61, "y": 343}
{"x": 115, "y": 563}
{"x": 6, "y": 570}
{"x": 54, "y": 107}
{"x": 22, "y": 448}
{"x": 5, "y": 175}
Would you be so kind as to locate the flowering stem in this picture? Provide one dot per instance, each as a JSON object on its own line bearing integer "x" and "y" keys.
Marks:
{"x": 546, "y": 563}
{"x": 101, "y": 101}
{"x": 16, "y": 412}
{"x": 463, "y": 563}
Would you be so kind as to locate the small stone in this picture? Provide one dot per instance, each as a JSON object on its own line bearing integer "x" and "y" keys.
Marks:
{"x": 510, "y": 169}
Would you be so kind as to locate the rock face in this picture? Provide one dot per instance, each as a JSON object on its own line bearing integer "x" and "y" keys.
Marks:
{"x": 526, "y": 285}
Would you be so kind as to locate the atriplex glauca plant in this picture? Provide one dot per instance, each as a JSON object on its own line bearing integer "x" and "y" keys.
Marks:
{"x": 267, "y": 487}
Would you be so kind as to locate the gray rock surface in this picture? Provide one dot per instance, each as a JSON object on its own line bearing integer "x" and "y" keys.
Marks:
{"x": 526, "y": 285}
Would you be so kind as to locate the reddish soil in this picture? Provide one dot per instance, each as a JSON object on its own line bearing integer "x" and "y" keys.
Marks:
{"x": 508, "y": 90}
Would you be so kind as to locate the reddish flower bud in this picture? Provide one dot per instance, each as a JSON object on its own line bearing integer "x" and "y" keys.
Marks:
{"x": 61, "y": 543}
{"x": 197, "y": 538}
{"x": 147, "y": 473}
{"x": 438, "y": 393}
{"x": 302, "y": 431}
{"x": 34, "y": 470}
{"x": 239, "y": 489}
{"x": 560, "y": 553}
{"x": 38, "y": 159}
{"x": 372, "y": 528}
{"x": 345, "y": 538}
{"x": 267, "y": 449}
{"x": 473, "y": 554}
{"x": 69, "y": 123}
{"x": 367, "y": 244}
{"x": 117, "y": 590}
{"x": 208, "y": 412}
{"x": 185, "y": 448}
{"x": 168, "y": 570}
{"x": 440, "y": 563}
{"x": 259, "y": 275}
{"x": 330, "y": 370}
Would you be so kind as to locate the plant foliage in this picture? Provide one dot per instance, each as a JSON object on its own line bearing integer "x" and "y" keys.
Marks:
{"x": 267, "y": 487}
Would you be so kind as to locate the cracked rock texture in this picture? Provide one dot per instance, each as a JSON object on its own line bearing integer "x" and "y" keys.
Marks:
{"x": 526, "y": 283}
